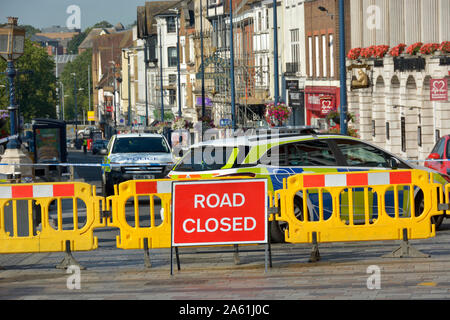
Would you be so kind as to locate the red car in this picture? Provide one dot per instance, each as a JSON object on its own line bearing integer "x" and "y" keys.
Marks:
{"x": 441, "y": 151}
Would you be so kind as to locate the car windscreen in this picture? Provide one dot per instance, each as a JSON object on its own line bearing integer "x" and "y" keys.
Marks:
{"x": 140, "y": 145}
{"x": 205, "y": 158}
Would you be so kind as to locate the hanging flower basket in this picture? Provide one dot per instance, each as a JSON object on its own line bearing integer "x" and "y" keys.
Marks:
{"x": 207, "y": 122}
{"x": 161, "y": 125}
{"x": 180, "y": 123}
{"x": 276, "y": 115}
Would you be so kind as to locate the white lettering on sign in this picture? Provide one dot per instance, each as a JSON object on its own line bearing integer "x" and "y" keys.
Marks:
{"x": 225, "y": 224}
{"x": 213, "y": 200}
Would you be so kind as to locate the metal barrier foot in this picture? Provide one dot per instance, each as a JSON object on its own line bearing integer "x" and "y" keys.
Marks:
{"x": 147, "y": 262}
{"x": 315, "y": 254}
{"x": 69, "y": 260}
{"x": 406, "y": 250}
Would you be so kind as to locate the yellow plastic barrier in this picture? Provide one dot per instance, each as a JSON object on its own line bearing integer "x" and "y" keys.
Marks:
{"x": 142, "y": 198}
{"x": 40, "y": 199}
{"x": 357, "y": 206}
{"x": 132, "y": 232}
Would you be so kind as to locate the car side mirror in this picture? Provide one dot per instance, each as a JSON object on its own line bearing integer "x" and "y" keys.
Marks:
{"x": 434, "y": 156}
{"x": 393, "y": 163}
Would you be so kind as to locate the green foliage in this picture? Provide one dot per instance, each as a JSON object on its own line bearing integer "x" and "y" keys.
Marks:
{"x": 79, "y": 66}
{"x": 35, "y": 92}
{"x": 72, "y": 46}
{"x": 168, "y": 115}
{"x": 30, "y": 30}
{"x": 102, "y": 24}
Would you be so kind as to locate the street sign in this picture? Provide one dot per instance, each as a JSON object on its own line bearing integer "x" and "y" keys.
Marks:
{"x": 225, "y": 122}
{"x": 91, "y": 115}
{"x": 438, "y": 90}
{"x": 219, "y": 212}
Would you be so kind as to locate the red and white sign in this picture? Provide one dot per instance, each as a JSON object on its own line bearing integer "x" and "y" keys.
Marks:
{"x": 219, "y": 212}
{"x": 326, "y": 105}
{"x": 438, "y": 89}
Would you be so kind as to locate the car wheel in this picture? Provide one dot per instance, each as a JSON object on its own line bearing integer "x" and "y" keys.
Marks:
{"x": 419, "y": 205}
{"x": 277, "y": 228}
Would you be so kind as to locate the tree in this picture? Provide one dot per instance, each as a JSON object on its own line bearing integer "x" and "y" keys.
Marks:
{"x": 79, "y": 67}
{"x": 30, "y": 30}
{"x": 35, "y": 92}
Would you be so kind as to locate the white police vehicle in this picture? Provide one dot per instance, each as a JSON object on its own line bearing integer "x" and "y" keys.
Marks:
{"x": 135, "y": 156}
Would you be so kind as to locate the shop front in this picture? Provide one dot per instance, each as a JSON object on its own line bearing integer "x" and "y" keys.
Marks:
{"x": 319, "y": 102}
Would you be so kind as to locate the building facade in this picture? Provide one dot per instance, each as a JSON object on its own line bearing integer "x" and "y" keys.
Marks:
{"x": 396, "y": 111}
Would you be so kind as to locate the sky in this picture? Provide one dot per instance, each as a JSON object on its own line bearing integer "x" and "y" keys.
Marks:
{"x": 85, "y": 13}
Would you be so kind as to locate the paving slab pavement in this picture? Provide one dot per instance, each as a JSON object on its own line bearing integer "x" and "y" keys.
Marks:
{"x": 346, "y": 271}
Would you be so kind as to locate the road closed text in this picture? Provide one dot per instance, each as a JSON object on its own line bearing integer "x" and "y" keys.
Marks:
{"x": 219, "y": 212}
{"x": 214, "y": 200}
{"x": 225, "y": 224}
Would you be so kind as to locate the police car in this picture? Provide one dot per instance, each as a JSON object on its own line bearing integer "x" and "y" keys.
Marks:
{"x": 135, "y": 156}
{"x": 277, "y": 156}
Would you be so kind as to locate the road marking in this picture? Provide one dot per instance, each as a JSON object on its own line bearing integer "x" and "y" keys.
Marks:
{"x": 427, "y": 284}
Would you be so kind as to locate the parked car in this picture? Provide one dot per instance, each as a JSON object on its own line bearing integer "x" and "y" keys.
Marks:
{"x": 99, "y": 147}
{"x": 135, "y": 156}
{"x": 278, "y": 157}
{"x": 440, "y": 154}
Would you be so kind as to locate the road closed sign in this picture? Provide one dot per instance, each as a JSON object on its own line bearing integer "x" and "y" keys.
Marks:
{"x": 219, "y": 212}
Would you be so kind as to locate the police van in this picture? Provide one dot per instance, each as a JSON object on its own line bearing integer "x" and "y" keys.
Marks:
{"x": 135, "y": 156}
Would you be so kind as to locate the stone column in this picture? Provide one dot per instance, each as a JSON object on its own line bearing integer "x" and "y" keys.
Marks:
{"x": 444, "y": 20}
{"x": 430, "y": 23}
{"x": 412, "y": 21}
{"x": 382, "y": 31}
{"x": 427, "y": 123}
{"x": 365, "y": 114}
{"x": 356, "y": 15}
{"x": 396, "y": 23}
{"x": 368, "y": 33}
{"x": 393, "y": 117}
{"x": 378, "y": 114}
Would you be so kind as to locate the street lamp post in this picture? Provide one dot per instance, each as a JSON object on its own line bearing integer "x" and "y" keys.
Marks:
{"x": 114, "y": 95}
{"x": 202, "y": 64}
{"x": 146, "y": 79}
{"x": 178, "y": 64}
{"x": 275, "y": 53}
{"x": 233, "y": 107}
{"x": 76, "y": 107}
{"x": 161, "y": 74}
{"x": 342, "y": 68}
{"x": 12, "y": 44}
{"x": 12, "y": 41}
